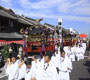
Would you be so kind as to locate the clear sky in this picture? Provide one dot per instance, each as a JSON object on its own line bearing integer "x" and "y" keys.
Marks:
{"x": 74, "y": 13}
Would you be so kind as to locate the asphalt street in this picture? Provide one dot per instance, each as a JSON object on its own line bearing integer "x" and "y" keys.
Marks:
{"x": 81, "y": 69}
{"x": 2, "y": 74}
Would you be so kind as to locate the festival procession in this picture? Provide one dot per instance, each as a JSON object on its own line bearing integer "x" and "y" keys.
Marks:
{"x": 30, "y": 50}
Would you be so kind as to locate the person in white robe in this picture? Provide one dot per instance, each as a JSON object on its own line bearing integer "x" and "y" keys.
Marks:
{"x": 48, "y": 70}
{"x": 57, "y": 49}
{"x": 7, "y": 65}
{"x": 21, "y": 68}
{"x": 20, "y": 50}
{"x": 39, "y": 67}
{"x": 30, "y": 72}
{"x": 76, "y": 50}
{"x": 73, "y": 53}
{"x": 80, "y": 53}
{"x": 12, "y": 69}
{"x": 84, "y": 46}
{"x": 54, "y": 58}
{"x": 64, "y": 66}
{"x": 69, "y": 52}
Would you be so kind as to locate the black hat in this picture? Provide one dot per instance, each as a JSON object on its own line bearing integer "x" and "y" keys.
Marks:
{"x": 80, "y": 45}
{"x": 48, "y": 53}
{"x": 28, "y": 61}
{"x": 14, "y": 55}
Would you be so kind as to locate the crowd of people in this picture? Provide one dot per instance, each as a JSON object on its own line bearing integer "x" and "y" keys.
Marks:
{"x": 52, "y": 66}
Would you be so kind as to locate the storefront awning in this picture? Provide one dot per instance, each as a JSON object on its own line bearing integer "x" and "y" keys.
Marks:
{"x": 3, "y": 43}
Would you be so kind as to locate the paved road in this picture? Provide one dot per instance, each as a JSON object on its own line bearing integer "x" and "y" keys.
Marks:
{"x": 2, "y": 74}
{"x": 81, "y": 70}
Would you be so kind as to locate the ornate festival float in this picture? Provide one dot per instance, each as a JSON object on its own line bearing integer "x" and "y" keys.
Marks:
{"x": 37, "y": 39}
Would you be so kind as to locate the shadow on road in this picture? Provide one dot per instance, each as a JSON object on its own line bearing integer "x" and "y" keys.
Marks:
{"x": 0, "y": 71}
{"x": 84, "y": 78}
{"x": 88, "y": 48}
{"x": 87, "y": 63}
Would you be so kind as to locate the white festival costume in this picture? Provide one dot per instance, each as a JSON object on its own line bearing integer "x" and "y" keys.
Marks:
{"x": 29, "y": 74}
{"x": 80, "y": 53}
{"x": 70, "y": 53}
{"x": 63, "y": 64}
{"x": 21, "y": 70}
{"x": 12, "y": 71}
{"x": 46, "y": 71}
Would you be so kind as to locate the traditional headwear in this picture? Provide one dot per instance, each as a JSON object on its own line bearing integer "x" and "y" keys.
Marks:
{"x": 28, "y": 61}
{"x": 49, "y": 54}
{"x": 14, "y": 55}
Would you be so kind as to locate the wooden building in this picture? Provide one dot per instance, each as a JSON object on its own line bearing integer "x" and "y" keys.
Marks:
{"x": 11, "y": 23}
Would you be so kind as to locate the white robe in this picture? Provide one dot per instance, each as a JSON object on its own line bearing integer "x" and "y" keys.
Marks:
{"x": 80, "y": 53}
{"x": 65, "y": 48}
{"x": 69, "y": 53}
{"x": 34, "y": 64}
{"x": 54, "y": 60}
{"x": 49, "y": 74}
{"x": 29, "y": 74}
{"x": 22, "y": 71}
{"x": 73, "y": 53}
{"x": 38, "y": 68}
{"x": 20, "y": 50}
{"x": 12, "y": 71}
{"x": 76, "y": 51}
{"x": 84, "y": 46}
{"x": 63, "y": 65}
{"x": 57, "y": 50}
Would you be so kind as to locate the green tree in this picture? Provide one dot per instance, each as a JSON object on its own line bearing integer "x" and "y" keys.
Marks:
{"x": 4, "y": 52}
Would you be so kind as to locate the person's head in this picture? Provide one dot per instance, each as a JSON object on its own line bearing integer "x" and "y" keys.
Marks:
{"x": 20, "y": 46}
{"x": 13, "y": 59}
{"x": 77, "y": 44}
{"x": 28, "y": 63}
{"x": 8, "y": 60}
{"x": 47, "y": 56}
{"x": 19, "y": 56}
